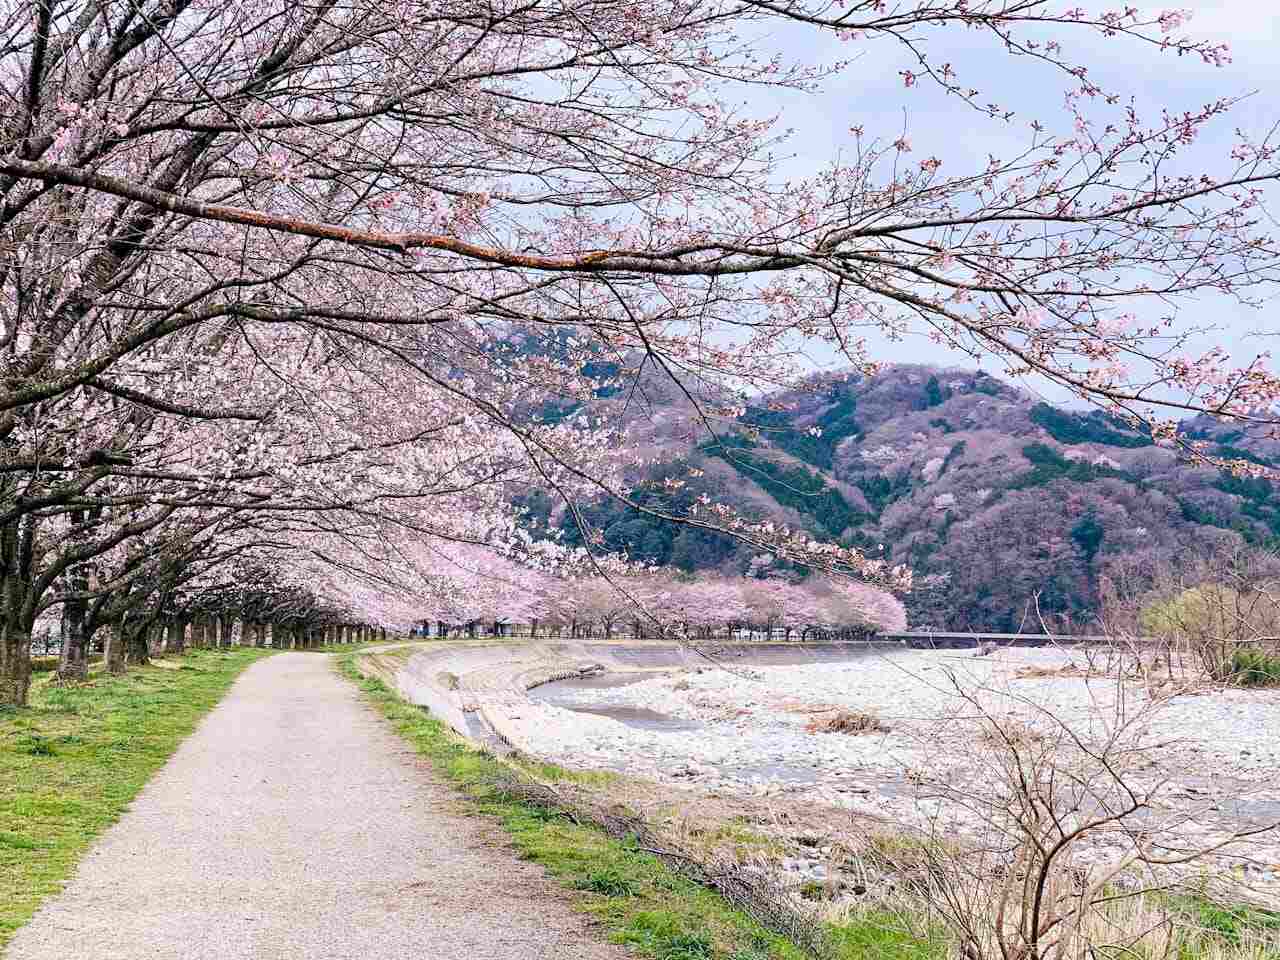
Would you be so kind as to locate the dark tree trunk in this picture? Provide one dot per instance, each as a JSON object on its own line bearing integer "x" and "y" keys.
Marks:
{"x": 175, "y": 642}
{"x": 113, "y": 656}
{"x": 73, "y": 658}
{"x": 136, "y": 645}
{"x": 17, "y": 546}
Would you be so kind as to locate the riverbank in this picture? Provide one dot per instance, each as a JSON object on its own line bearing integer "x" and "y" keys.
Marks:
{"x": 823, "y": 846}
{"x": 744, "y": 723}
{"x": 639, "y": 900}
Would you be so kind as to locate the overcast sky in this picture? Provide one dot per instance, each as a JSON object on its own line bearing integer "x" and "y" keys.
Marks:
{"x": 870, "y": 93}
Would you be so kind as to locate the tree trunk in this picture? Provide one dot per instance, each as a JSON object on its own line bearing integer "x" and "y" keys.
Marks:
{"x": 115, "y": 647}
{"x": 136, "y": 647}
{"x": 16, "y": 556}
{"x": 73, "y": 658}
{"x": 15, "y": 664}
{"x": 176, "y": 641}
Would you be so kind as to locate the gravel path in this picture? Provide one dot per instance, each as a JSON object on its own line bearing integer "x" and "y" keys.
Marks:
{"x": 294, "y": 824}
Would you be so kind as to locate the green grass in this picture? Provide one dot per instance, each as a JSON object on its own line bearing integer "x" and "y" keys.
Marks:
{"x": 365, "y": 645}
{"x": 638, "y": 899}
{"x": 72, "y": 760}
{"x": 350, "y": 647}
{"x": 1230, "y": 924}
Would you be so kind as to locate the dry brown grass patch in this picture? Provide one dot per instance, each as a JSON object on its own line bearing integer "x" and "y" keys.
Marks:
{"x": 1013, "y": 733}
{"x": 847, "y": 721}
{"x": 1045, "y": 673}
{"x": 801, "y": 706}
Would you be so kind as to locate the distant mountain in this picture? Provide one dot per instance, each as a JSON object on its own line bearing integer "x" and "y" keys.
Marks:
{"x": 998, "y": 501}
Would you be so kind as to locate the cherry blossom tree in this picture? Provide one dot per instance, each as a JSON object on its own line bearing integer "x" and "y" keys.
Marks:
{"x": 846, "y": 603}
{"x": 271, "y": 259}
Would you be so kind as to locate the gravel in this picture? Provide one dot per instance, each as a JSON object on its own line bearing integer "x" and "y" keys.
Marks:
{"x": 1220, "y": 750}
{"x": 294, "y": 824}
{"x": 757, "y": 716}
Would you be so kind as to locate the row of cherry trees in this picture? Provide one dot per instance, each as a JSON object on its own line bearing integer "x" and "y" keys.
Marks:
{"x": 661, "y": 605}
{"x": 297, "y": 296}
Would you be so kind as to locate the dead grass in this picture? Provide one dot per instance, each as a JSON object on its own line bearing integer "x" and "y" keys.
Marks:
{"x": 384, "y": 665}
{"x": 798, "y": 706}
{"x": 1046, "y": 673}
{"x": 1011, "y": 733}
{"x": 847, "y": 721}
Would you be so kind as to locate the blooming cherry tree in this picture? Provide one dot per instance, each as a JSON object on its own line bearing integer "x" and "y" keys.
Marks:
{"x": 325, "y": 267}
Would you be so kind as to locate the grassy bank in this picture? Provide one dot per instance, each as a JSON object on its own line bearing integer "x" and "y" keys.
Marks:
{"x": 364, "y": 645}
{"x": 72, "y": 760}
{"x": 639, "y": 900}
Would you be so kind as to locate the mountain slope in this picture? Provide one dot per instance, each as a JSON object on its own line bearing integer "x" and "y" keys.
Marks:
{"x": 1008, "y": 509}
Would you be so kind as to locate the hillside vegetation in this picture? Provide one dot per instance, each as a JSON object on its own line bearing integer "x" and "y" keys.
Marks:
{"x": 1003, "y": 505}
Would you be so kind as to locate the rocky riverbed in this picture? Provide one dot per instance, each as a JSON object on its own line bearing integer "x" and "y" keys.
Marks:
{"x": 937, "y": 721}
{"x": 862, "y": 739}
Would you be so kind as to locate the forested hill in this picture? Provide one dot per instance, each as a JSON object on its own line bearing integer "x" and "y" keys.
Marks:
{"x": 956, "y": 473}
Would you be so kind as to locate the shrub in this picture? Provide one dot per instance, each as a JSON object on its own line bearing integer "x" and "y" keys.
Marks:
{"x": 1255, "y": 668}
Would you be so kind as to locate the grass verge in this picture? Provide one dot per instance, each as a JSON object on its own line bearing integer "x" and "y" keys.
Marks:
{"x": 72, "y": 760}
{"x": 363, "y": 645}
{"x": 639, "y": 900}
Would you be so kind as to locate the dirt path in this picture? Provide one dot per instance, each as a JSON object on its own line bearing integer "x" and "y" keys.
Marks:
{"x": 294, "y": 824}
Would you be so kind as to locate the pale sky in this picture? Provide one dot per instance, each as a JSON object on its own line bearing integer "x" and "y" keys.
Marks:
{"x": 870, "y": 93}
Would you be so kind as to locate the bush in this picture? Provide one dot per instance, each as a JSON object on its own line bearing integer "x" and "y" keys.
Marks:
{"x": 1255, "y": 668}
